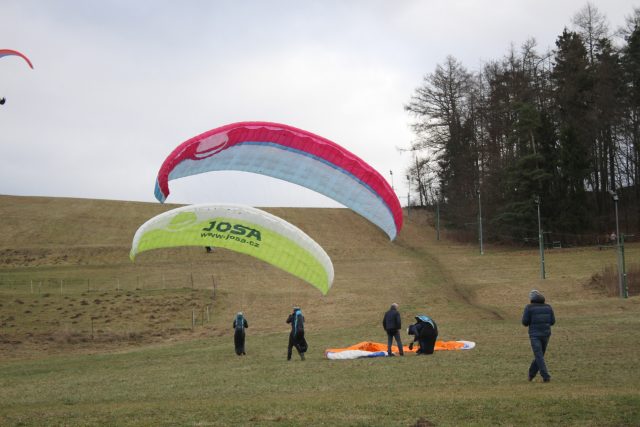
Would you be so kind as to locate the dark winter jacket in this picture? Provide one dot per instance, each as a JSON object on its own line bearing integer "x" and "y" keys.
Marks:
{"x": 426, "y": 329}
{"x": 391, "y": 320}
{"x": 539, "y": 317}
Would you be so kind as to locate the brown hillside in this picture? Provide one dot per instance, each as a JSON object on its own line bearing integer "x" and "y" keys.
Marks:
{"x": 67, "y": 284}
{"x": 57, "y": 254}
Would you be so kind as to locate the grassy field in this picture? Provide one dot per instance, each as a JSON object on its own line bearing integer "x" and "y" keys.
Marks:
{"x": 87, "y": 337}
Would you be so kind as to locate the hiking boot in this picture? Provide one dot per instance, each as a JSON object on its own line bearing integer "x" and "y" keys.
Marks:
{"x": 546, "y": 380}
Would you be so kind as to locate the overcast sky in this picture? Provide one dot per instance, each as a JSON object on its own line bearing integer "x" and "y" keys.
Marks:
{"x": 117, "y": 85}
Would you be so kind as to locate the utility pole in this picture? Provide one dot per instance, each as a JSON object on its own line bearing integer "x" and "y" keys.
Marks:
{"x": 540, "y": 240}
{"x": 480, "y": 221}
{"x": 437, "y": 215}
{"x": 622, "y": 275}
{"x": 409, "y": 195}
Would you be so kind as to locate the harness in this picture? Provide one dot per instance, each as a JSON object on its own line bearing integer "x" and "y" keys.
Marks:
{"x": 298, "y": 323}
{"x": 239, "y": 322}
{"x": 426, "y": 319}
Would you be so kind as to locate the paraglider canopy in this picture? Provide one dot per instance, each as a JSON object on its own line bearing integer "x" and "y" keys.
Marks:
{"x": 241, "y": 229}
{"x": 290, "y": 154}
{"x": 10, "y": 52}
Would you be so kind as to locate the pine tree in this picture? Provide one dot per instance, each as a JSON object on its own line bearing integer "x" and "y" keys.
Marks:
{"x": 573, "y": 91}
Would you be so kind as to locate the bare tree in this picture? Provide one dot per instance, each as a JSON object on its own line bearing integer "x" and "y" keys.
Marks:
{"x": 631, "y": 23}
{"x": 591, "y": 25}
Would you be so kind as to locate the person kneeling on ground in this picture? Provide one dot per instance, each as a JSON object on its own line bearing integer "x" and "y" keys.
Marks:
{"x": 239, "y": 325}
{"x": 425, "y": 332}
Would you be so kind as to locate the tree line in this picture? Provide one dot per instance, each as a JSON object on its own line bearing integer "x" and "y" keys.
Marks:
{"x": 560, "y": 128}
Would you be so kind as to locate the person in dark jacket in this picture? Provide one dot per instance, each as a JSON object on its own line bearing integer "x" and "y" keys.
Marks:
{"x": 296, "y": 337}
{"x": 239, "y": 325}
{"x": 392, "y": 324}
{"x": 539, "y": 317}
{"x": 425, "y": 332}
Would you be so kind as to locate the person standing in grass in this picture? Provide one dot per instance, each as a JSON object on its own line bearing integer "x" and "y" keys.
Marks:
{"x": 239, "y": 325}
{"x": 392, "y": 323}
{"x": 539, "y": 317}
{"x": 296, "y": 337}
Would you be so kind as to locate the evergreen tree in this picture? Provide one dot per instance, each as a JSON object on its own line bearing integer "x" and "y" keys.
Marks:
{"x": 608, "y": 91}
{"x": 563, "y": 126}
{"x": 631, "y": 69}
{"x": 573, "y": 91}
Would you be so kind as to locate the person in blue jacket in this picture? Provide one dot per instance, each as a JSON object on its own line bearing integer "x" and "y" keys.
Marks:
{"x": 425, "y": 332}
{"x": 539, "y": 317}
{"x": 239, "y": 325}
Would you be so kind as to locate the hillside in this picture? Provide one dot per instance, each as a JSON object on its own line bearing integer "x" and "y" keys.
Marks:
{"x": 75, "y": 311}
{"x": 75, "y": 249}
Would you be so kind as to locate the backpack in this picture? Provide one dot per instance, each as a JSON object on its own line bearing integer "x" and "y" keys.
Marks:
{"x": 298, "y": 321}
{"x": 239, "y": 322}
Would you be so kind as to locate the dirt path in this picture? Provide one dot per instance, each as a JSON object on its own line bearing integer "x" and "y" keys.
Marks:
{"x": 419, "y": 239}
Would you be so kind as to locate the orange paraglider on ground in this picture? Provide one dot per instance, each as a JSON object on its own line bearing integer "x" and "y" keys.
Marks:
{"x": 376, "y": 349}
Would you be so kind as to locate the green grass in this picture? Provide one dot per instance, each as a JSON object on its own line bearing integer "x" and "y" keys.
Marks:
{"x": 144, "y": 371}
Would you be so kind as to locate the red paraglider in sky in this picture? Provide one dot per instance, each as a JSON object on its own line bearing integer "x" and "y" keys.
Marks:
{"x": 10, "y": 52}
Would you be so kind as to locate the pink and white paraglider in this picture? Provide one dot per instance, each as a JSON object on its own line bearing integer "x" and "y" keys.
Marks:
{"x": 290, "y": 154}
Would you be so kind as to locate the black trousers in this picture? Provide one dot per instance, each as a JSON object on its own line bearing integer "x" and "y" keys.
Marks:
{"x": 298, "y": 341}
{"x": 427, "y": 340}
{"x": 238, "y": 340}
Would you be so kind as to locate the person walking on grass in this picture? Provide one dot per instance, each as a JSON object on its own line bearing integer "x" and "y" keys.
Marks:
{"x": 392, "y": 324}
{"x": 239, "y": 325}
{"x": 296, "y": 337}
{"x": 539, "y": 317}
